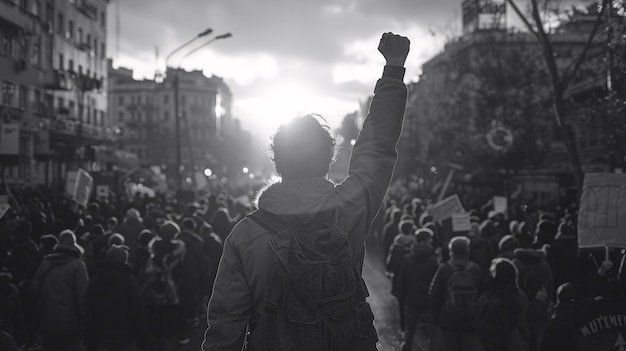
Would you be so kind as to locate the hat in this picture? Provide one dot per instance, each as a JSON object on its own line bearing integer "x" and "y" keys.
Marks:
{"x": 503, "y": 271}
{"x": 424, "y": 234}
{"x": 508, "y": 243}
{"x": 514, "y": 227}
{"x": 132, "y": 214}
{"x": 97, "y": 229}
{"x": 406, "y": 226}
{"x": 145, "y": 236}
{"x": 459, "y": 245}
{"x": 116, "y": 239}
{"x": 93, "y": 207}
{"x": 169, "y": 230}
{"x": 188, "y": 223}
{"x": 117, "y": 253}
{"x": 67, "y": 238}
{"x": 48, "y": 240}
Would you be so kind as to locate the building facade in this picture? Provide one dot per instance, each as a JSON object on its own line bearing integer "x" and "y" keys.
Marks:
{"x": 53, "y": 74}
{"x": 144, "y": 113}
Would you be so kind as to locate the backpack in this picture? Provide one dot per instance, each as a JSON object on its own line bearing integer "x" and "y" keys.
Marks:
{"x": 158, "y": 287}
{"x": 316, "y": 299}
{"x": 461, "y": 295}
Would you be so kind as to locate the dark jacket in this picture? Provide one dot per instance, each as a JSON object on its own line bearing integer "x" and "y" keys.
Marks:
{"x": 438, "y": 293}
{"x": 561, "y": 333}
{"x": 565, "y": 261}
{"x": 63, "y": 292}
{"x": 130, "y": 230}
{"x": 11, "y": 313}
{"x": 194, "y": 266}
{"x": 415, "y": 274}
{"x": 242, "y": 281}
{"x": 115, "y": 311}
{"x": 534, "y": 272}
{"x": 501, "y": 318}
{"x": 481, "y": 252}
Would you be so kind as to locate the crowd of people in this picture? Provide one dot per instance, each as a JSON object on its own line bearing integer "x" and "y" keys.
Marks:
{"x": 509, "y": 283}
{"x": 113, "y": 275}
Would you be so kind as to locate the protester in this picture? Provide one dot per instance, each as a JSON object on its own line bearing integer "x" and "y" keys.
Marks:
{"x": 560, "y": 333}
{"x": 501, "y": 314}
{"x": 402, "y": 245}
{"x": 61, "y": 283}
{"x": 130, "y": 229}
{"x": 115, "y": 314}
{"x": 414, "y": 276}
{"x": 453, "y": 293}
{"x": 302, "y": 152}
{"x": 11, "y": 312}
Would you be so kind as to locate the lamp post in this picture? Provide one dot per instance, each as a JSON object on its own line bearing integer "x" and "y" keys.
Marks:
{"x": 177, "y": 96}
{"x": 179, "y": 177}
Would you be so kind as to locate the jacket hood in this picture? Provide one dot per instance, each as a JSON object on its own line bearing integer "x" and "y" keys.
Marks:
{"x": 113, "y": 272}
{"x": 296, "y": 200}
{"x": 423, "y": 253}
{"x": 63, "y": 254}
{"x": 530, "y": 255}
{"x": 159, "y": 248}
{"x": 191, "y": 236}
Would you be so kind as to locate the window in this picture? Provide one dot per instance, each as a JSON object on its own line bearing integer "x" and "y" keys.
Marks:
{"x": 48, "y": 101}
{"x": 61, "y": 62}
{"x": 36, "y": 101}
{"x": 60, "y": 24}
{"x": 120, "y": 116}
{"x": 70, "y": 30}
{"x": 23, "y": 97}
{"x": 70, "y": 65}
{"x": 88, "y": 40}
{"x": 80, "y": 36}
{"x": 95, "y": 47}
{"x": 80, "y": 70}
{"x": 166, "y": 116}
{"x": 60, "y": 102}
{"x": 102, "y": 50}
{"x": 103, "y": 18}
{"x": 8, "y": 91}
{"x": 35, "y": 57}
{"x": 120, "y": 100}
{"x": 9, "y": 44}
{"x": 166, "y": 99}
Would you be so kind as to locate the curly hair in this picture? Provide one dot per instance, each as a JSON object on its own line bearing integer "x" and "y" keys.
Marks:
{"x": 303, "y": 147}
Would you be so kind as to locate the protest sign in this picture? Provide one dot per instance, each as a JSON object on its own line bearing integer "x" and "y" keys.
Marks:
{"x": 602, "y": 214}
{"x": 4, "y": 205}
{"x": 70, "y": 182}
{"x": 461, "y": 222}
{"x": 600, "y": 325}
{"x": 446, "y": 208}
{"x": 500, "y": 204}
{"x": 82, "y": 189}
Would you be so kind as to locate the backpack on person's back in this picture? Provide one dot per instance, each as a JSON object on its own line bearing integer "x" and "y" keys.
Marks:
{"x": 316, "y": 299}
{"x": 461, "y": 294}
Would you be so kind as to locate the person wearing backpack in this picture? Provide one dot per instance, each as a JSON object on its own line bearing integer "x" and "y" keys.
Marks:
{"x": 291, "y": 271}
{"x": 501, "y": 312}
{"x": 453, "y": 294}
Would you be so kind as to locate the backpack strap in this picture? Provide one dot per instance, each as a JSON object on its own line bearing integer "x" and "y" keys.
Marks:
{"x": 268, "y": 220}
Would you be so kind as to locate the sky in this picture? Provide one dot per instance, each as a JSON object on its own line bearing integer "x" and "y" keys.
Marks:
{"x": 285, "y": 57}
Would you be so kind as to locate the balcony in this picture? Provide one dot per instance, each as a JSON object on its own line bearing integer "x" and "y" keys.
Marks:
{"x": 86, "y": 83}
{"x": 59, "y": 80}
{"x": 15, "y": 15}
{"x": 88, "y": 10}
{"x": 10, "y": 114}
{"x": 77, "y": 129}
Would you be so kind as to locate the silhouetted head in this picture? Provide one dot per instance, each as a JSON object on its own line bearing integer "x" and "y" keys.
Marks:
{"x": 303, "y": 147}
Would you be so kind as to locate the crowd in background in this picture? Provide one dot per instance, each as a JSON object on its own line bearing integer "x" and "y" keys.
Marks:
{"x": 113, "y": 275}
{"x": 520, "y": 270}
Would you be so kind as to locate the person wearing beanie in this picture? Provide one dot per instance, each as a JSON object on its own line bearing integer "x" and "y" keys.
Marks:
{"x": 61, "y": 281}
{"x": 130, "y": 229}
{"x": 193, "y": 269}
{"x": 402, "y": 245}
{"x": 480, "y": 248}
{"x": 416, "y": 271}
{"x": 507, "y": 246}
{"x": 142, "y": 253}
{"x": 501, "y": 313}
{"x": 115, "y": 239}
{"x": 165, "y": 265}
{"x": 561, "y": 331}
{"x": 115, "y": 317}
{"x": 47, "y": 243}
{"x": 459, "y": 331}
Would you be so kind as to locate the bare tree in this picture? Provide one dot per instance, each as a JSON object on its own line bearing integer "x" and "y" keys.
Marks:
{"x": 560, "y": 79}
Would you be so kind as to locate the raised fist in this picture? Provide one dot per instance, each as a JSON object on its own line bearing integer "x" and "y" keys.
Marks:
{"x": 395, "y": 48}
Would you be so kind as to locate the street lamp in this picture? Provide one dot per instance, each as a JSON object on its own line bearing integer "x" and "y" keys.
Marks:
{"x": 177, "y": 94}
{"x": 205, "y": 32}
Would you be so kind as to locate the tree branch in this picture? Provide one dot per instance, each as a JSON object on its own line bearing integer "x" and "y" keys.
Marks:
{"x": 568, "y": 75}
{"x": 523, "y": 18}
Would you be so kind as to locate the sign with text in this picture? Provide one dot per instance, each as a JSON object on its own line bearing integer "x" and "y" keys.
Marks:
{"x": 446, "y": 208}
{"x": 82, "y": 189}
{"x": 9, "y": 139}
{"x": 461, "y": 222}
{"x": 602, "y": 213}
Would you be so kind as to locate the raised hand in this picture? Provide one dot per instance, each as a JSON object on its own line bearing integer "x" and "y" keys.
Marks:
{"x": 395, "y": 48}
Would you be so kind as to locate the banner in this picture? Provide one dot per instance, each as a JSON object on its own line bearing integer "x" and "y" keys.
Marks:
{"x": 461, "y": 222}
{"x": 602, "y": 214}
{"x": 9, "y": 139}
{"x": 70, "y": 182}
{"x": 84, "y": 183}
{"x": 446, "y": 208}
{"x": 600, "y": 325}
